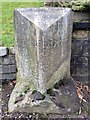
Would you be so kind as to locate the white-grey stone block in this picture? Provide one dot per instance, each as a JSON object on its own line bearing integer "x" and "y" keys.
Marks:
{"x": 3, "y": 51}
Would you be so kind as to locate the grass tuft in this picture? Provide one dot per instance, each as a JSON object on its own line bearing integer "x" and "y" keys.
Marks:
{"x": 8, "y": 18}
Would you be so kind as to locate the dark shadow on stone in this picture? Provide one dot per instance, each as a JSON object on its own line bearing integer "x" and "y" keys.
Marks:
{"x": 37, "y": 96}
{"x": 51, "y": 92}
{"x": 62, "y": 82}
{"x": 67, "y": 98}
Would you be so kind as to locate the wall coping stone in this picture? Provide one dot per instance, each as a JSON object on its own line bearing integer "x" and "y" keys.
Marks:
{"x": 3, "y": 51}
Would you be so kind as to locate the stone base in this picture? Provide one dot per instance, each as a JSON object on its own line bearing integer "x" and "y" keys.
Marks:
{"x": 62, "y": 99}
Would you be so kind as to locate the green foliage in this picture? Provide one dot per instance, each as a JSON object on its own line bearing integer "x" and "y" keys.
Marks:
{"x": 8, "y": 20}
{"x": 76, "y": 5}
{"x": 80, "y": 5}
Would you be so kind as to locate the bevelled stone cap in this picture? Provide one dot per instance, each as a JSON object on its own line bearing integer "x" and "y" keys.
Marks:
{"x": 43, "y": 17}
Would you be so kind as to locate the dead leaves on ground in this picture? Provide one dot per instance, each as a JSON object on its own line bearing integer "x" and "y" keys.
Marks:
{"x": 82, "y": 90}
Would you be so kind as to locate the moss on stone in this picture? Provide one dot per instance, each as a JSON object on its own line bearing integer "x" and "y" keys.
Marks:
{"x": 76, "y": 5}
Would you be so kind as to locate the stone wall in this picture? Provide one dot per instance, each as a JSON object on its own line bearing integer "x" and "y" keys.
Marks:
{"x": 80, "y": 67}
{"x": 7, "y": 64}
{"x": 80, "y": 55}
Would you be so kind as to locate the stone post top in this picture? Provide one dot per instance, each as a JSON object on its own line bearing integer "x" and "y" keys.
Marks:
{"x": 3, "y": 51}
{"x": 42, "y": 9}
{"x": 51, "y": 10}
{"x": 43, "y": 17}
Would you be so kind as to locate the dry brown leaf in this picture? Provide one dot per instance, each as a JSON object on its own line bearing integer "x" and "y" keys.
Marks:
{"x": 80, "y": 95}
{"x": 80, "y": 90}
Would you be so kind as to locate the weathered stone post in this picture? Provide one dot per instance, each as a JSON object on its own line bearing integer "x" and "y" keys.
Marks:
{"x": 43, "y": 50}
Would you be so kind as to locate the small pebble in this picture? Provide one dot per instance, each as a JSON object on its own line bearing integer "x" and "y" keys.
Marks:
{"x": 15, "y": 117}
{"x": 30, "y": 116}
{"x": 68, "y": 109}
{"x": 8, "y": 95}
{"x": 11, "y": 84}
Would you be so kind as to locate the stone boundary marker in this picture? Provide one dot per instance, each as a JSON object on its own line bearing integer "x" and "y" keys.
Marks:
{"x": 43, "y": 52}
{"x": 7, "y": 64}
{"x": 80, "y": 53}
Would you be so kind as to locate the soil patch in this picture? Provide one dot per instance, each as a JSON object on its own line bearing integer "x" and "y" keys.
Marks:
{"x": 83, "y": 91}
